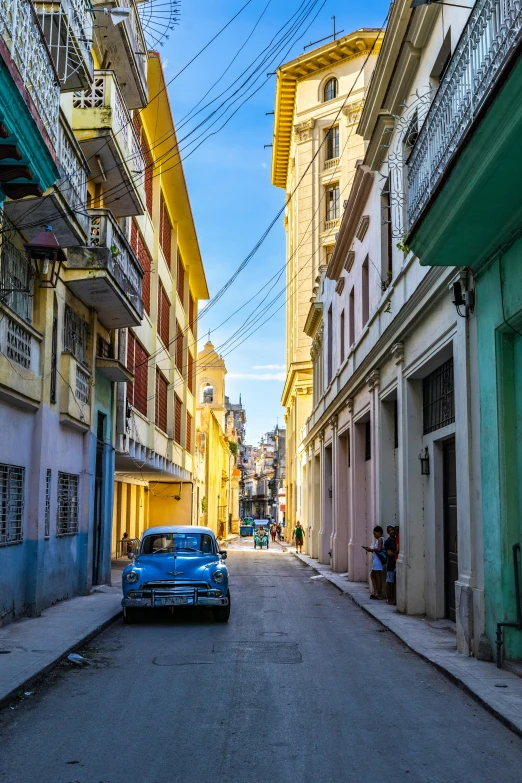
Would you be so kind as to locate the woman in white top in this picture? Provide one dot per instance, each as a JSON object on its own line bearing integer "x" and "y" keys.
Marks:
{"x": 377, "y": 562}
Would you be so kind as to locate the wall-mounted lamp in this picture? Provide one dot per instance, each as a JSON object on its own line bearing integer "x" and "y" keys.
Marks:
{"x": 46, "y": 256}
{"x": 425, "y": 462}
{"x": 463, "y": 296}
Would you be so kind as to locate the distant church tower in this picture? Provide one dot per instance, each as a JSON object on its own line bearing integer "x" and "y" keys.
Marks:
{"x": 211, "y": 383}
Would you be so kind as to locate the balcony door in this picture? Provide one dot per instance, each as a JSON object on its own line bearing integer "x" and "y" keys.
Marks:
{"x": 451, "y": 558}
{"x": 98, "y": 499}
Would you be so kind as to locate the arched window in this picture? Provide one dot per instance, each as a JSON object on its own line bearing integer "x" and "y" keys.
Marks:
{"x": 208, "y": 393}
{"x": 330, "y": 89}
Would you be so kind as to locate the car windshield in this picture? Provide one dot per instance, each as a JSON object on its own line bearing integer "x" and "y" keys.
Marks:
{"x": 176, "y": 542}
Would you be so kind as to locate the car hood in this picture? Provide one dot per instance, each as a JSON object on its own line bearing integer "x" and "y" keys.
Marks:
{"x": 180, "y": 567}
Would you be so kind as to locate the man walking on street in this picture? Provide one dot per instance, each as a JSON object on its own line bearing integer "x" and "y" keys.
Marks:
{"x": 299, "y": 537}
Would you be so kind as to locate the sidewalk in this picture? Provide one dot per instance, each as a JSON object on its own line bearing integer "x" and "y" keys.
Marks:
{"x": 434, "y": 640}
{"x": 35, "y": 645}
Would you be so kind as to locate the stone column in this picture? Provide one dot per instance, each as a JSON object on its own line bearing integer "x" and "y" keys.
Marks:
{"x": 373, "y": 380}
{"x": 341, "y": 514}
{"x": 326, "y": 504}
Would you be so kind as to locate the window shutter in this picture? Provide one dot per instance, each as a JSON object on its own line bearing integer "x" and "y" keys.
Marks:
{"x": 165, "y": 232}
{"x": 179, "y": 348}
{"x": 177, "y": 419}
{"x": 190, "y": 373}
{"x": 137, "y": 362}
{"x": 188, "y": 438}
{"x": 180, "y": 279}
{"x": 191, "y": 312}
{"x": 149, "y": 173}
{"x": 131, "y": 348}
{"x": 163, "y": 316}
{"x": 161, "y": 401}
{"x": 145, "y": 261}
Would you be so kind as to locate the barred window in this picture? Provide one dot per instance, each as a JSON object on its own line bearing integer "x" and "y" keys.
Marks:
{"x": 75, "y": 335}
{"x": 177, "y": 418}
{"x": 161, "y": 401}
{"x": 12, "y": 479}
{"x": 67, "y": 519}
{"x": 438, "y": 398}
{"x": 15, "y": 278}
{"x": 137, "y": 362}
{"x": 145, "y": 261}
{"x": 188, "y": 437}
{"x": 180, "y": 279}
{"x": 47, "y": 520}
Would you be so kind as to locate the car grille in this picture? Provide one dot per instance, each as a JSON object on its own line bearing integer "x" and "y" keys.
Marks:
{"x": 174, "y": 588}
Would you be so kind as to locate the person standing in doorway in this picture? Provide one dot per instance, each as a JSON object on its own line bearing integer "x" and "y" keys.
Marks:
{"x": 273, "y": 532}
{"x": 299, "y": 537}
{"x": 378, "y": 560}
{"x": 390, "y": 546}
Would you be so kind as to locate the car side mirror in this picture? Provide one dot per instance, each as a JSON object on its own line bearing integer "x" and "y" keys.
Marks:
{"x": 223, "y": 554}
{"x": 130, "y": 555}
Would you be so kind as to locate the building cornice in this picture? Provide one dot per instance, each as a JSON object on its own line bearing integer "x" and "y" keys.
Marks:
{"x": 292, "y": 379}
{"x": 359, "y": 193}
{"x": 313, "y": 319}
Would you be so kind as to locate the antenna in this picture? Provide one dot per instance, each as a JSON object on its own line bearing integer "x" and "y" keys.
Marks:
{"x": 326, "y": 38}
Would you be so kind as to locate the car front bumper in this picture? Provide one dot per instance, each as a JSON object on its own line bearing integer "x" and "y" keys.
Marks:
{"x": 162, "y": 597}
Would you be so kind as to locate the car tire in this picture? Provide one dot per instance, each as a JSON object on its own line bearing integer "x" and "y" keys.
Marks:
{"x": 130, "y": 615}
{"x": 222, "y": 613}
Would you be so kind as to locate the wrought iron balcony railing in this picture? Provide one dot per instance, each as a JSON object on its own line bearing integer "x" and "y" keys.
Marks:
{"x": 105, "y": 232}
{"x": 26, "y": 44}
{"x": 489, "y": 38}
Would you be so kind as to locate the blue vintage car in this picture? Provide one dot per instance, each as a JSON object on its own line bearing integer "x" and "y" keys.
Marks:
{"x": 177, "y": 566}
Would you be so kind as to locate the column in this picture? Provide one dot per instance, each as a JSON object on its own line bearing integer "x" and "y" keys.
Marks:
{"x": 373, "y": 380}
{"x": 340, "y": 501}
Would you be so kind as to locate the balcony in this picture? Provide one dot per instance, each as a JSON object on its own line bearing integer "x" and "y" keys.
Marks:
{"x": 329, "y": 225}
{"x": 67, "y": 26}
{"x": 63, "y": 209}
{"x": 30, "y": 88}
{"x": 457, "y": 172}
{"x": 125, "y": 47}
{"x": 75, "y": 393}
{"x": 104, "y": 129}
{"x": 106, "y": 275}
{"x": 20, "y": 348}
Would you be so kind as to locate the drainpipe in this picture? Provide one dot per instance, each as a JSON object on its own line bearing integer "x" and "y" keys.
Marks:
{"x": 518, "y": 624}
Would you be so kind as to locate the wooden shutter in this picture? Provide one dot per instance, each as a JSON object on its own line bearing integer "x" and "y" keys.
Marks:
{"x": 137, "y": 362}
{"x": 163, "y": 316}
{"x": 177, "y": 418}
{"x": 131, "y": 361}
{"x": 188, "y": 438}
{"x": 149, "y": 165}
{"x": 180, "y": 279}
{"x": 190, "y": 373}
{"x": 161, "y": 401}
{"x": 179, "y": 348}
{"x": 165, "y": 232}
{"x": 191, "y": 312}
{"x": 145, "y": 261}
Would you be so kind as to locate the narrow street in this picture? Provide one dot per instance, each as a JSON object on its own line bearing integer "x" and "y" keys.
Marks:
{"x": 300, "y": 685}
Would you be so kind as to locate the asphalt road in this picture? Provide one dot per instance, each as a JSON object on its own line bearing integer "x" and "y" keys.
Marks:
{"x": 300, "y": 685}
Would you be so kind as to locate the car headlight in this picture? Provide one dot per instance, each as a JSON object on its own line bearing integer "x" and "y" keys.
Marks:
{"x": 131, "y": 577}
{"x": 218, "y": 576}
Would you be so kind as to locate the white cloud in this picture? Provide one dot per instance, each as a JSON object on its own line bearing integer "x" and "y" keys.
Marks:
{"x": 280, "y": 376}
{"x": 269, "y": 367}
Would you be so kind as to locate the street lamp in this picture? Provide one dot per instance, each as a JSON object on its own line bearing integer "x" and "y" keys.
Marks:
{"x": 46, "y": 256}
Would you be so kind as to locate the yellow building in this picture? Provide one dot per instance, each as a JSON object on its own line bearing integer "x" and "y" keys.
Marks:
{"x": 155, "y": 426}
{"x": 218, "y": 477}
{"x": 319, "y": 97}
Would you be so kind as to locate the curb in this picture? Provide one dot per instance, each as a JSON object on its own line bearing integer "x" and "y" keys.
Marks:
{"x": 442, "y": 669}
{"x": 8, "y": 697}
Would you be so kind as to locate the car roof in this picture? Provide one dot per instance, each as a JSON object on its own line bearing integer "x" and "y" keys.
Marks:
{"x": 177, "y": 529}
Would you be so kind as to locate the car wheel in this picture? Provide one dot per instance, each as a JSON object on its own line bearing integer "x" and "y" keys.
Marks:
{"x": 130, "y": 615}
{"x": 222, "y": 613}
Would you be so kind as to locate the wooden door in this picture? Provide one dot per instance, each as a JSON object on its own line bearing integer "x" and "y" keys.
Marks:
{"x": 451, "y": 558}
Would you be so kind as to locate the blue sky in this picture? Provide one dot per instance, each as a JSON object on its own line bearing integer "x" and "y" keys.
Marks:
{"x": 229, "y": 178}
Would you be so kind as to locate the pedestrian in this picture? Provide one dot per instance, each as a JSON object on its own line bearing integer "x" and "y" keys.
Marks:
{"x": 279, "y": 531}
{"x": 125, "y": 544}
{"x": 273, "y": 531}
{"x": 390, "y": 546}
{"x": 299, "y": 537}
{"x": 378, "y": 560}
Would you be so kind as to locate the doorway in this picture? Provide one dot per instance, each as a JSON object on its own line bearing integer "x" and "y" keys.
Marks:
{"x": 98, "y": 498}
{"x": 451, "y": 558}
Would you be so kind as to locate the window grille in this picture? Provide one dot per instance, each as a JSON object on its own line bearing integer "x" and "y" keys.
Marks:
{"x": 161, "y": 401}
{"x": 163, "y": 316}
{"x": 330, "y": 89}
{"x": 47, "y": 520}
{"x": 75, "y": 335}
{"x": 15, "y": 279}
{"x": 93, "y": 98}
{"x": 67, "y": 518}
{"x": 145, "y": 261}
{"x": 177, "y": 419}
{"x": 103, "y": 348}
{"x": 179, "y": 348}
{"x": 83, "y": 385}
{"x": 332, "y": 202}
{"x": 12, "y": 480}
{"x": 332, "y": 143}
{"x": 368, "y": 441}
{"x": 188, "y": 437}
{"x": 438, "y": 398}
{"x": 165, "y": 232}
{"x": 18, "y": 344}
{"x": 180, "y": 279}
{"x": 137, "y": 362}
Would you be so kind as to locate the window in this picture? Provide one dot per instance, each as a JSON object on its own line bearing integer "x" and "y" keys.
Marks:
{"x": 365, "y": 293}
{"x": 190, "y": 373}
{"x": 330, "y": 89}
{"x": 67, "y": 519}
{"x": 15, "y": 277}
{"x": 177, "y": 418}
{"x": 348, "y": 450}
{"x": 149, "y": 166}
{"x": 179, "y": 348}
{"x": 412, "y": 134}
{"x": 163, "y": 316}
{"x": 351, "y": 318}
{"x": 47, "y": 518}
{"x": 75, "y": 335}
{"x": 191, "y": 312}
{"x": 137, "y": 362}
{"x": 386, "y": 237}
{"x": 188, "y": 437}
{"x": 341, "y": 336}
{"x": 145, "y": 261}
{"x": 332, "y": 143}
{"x": 329, "y": 358}
{"x": 180, "y": 279}
{"x": 367, "y": 441}
{"x": 395, "y": 425}
{"x": 162, "y": 387}
{"x": 12, "y": 479}
{"x": 208, "y": 393}
{"x": 438, "y": 400}
{"x": 54, "y": 361}
{"x": 332, "y": 202}
{"x": 165, "y": 236}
